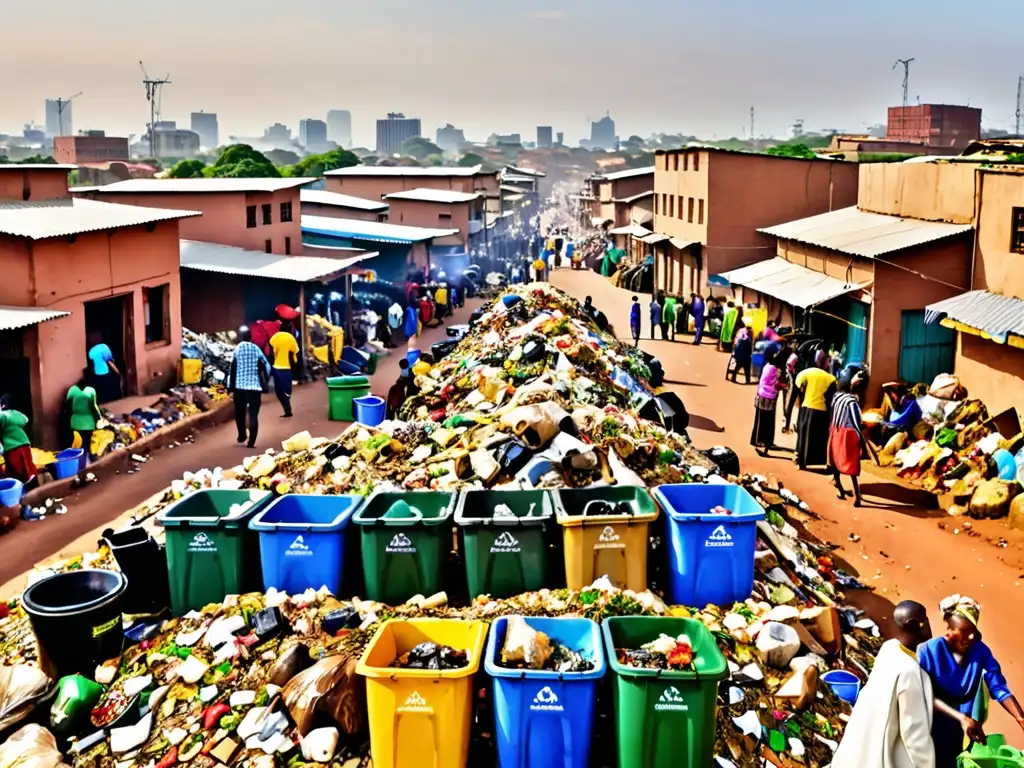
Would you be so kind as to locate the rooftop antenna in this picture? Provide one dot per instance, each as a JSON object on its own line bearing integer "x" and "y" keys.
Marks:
{"x": 906, "y": 76}
{"x": 751, "y": 123}
{"x": 153, "y": 91}
{"x": 1020, "y": 97}
{"x": 61, "y": 106}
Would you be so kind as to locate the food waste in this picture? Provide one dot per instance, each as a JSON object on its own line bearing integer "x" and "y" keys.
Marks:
{"x": 669, "y": 653}
{"x": 529, "y": 648}
{"x": 432, "y": 656}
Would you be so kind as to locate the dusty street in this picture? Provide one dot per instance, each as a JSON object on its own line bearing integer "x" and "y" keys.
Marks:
{"x": 902, "y": 551}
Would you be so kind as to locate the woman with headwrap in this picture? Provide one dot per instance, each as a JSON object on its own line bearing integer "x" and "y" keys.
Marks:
{"x": 846, "y": 442}
{"x": 964, "y": 674}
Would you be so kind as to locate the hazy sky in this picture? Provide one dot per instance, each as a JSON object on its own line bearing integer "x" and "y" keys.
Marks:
{"x": 656, "y": 65}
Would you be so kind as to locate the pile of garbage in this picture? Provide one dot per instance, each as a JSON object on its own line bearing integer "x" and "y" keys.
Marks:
{"x": 949, "y": 443}
{"x": 214, "y": 350}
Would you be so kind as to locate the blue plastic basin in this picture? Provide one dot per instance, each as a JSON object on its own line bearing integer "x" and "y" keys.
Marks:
{"x": 711, "y": 556}
{"x": 545, "y": 719}
{"x": 302, "y": 541}
{"x": 10, "y": 492}
{"x": 845, "y": 685}
{"x": 68, "y": 463}
{"x": 370, "y": 410}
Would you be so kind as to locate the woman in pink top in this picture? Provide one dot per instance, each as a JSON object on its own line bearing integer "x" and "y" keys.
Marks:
{"x": 773, "y": 381}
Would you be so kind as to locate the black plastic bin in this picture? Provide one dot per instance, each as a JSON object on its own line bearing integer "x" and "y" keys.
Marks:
{"x": 144, "y": 564}
{"x": 76, "y": 617}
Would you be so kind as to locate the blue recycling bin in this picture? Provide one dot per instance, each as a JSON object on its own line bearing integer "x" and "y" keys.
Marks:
{"x": 545, "y": 719}
{"x": 302, "y": 541}
{"x": 711, "y": 556}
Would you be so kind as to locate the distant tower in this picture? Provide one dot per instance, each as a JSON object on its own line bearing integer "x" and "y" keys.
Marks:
{"x": 906, "y": 77}
{"x": 339, "y": 127}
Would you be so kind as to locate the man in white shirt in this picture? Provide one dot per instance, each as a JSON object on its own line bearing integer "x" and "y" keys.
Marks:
{"x": 891, "y": 723}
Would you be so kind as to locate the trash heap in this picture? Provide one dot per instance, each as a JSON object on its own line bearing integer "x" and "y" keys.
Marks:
{"x": 951, "y": 444}
{"x": 215, "y": 350}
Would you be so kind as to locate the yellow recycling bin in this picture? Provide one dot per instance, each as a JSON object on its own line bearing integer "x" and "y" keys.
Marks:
{"x": 420, "y": 718}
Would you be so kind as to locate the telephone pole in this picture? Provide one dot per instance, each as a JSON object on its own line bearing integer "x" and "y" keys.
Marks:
{"x": 153, "y": 91}
{"x": 906, "y": 77}
{"x": 1020, "y": 97}
{"x": 62, "y": 104}
{"x": 751, "y": 123}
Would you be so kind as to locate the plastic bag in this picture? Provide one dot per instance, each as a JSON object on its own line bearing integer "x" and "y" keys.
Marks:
{"x": 21, "y": 686}
{"x": 31, "y": 747}
{"x": 525, "y": 644}
{"x": 330, "y": 687}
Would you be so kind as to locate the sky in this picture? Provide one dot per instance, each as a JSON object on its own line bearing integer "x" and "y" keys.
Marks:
{"x": 674, "y": 66}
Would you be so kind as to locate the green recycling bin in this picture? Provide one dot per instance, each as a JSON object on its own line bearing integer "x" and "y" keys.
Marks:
{"x": 663, "y": 718}
{"x": 341, "y": 391}
{"x": 210, "y": 550}
{"x": 505, "y": 540}
{"x": 405, "y": 539}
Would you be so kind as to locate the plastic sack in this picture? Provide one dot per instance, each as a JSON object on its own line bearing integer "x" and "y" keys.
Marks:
{"x": 330, "y": 687}
{"x": 525, "y": 644}
{"x": 21, "y": 686}
{"x": 31, "y": 747}
{"x": 778, "y": 644}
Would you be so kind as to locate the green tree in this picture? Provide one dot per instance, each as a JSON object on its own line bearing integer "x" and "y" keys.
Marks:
{"x": 420, "y": 148}
{"x": 187, "y": 169}
{"x": 791, "y": 150}
{"x": 33, "y": 160}
{"x": 246, "y": 169}
{"x": 281, "y": 157}
{"x": 469, "y": 159}
{"x": 317, "y": 165}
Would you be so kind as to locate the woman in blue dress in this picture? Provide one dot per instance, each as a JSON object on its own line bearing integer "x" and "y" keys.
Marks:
{"x": 959, "y": 664}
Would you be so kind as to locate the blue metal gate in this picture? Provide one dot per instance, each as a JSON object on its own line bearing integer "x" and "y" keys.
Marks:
{"x": 926, "y": 350}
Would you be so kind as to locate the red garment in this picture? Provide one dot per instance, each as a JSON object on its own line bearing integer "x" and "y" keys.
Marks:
{"x": 262, "y": 330}
{"x": 426, "y": 311}
{"x": 844, "y": 451}
{"x": 286, "y": 313}
{"x": 18, "y": 464}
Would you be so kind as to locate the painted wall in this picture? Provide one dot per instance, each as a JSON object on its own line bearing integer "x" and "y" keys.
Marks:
{"x": 930, "y": 191}
{"x": 224, "y": 216}
{"x": 416, "y": 213}
{"x": 993, "y": 373}
{"x": 996, "y": 267}
{"x": 33, "y": 185}
{"x": 63, "y": 275}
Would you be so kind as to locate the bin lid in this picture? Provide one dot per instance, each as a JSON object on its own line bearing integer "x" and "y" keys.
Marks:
{"x": 693, "y": 502}
{"x": 386, "y": 508}
{"x": 186, "y": 510}
{"x": 299, "y": 512}
{"x": 347, "y": 382}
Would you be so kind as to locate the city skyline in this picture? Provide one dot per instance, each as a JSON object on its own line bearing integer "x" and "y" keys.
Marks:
{"x": 784, "y": 61}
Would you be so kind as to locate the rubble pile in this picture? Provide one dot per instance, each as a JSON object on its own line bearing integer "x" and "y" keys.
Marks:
{"x": 215, "y": 350}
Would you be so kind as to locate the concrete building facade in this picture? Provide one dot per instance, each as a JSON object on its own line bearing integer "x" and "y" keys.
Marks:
{"x": 545, "y": 137}
{"x": 206, "y": 126}
{"x": 440, "y": 209}
{"x": 60, "y": 120}
{"x": 313, "y": 135}
{"x": 938, "y": 125}
{"x": 395, "y": 129}
{"x": 339, "y": 127}
{"x": 90, "y": 148}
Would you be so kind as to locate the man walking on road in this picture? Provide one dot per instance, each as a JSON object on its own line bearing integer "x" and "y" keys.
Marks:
{"x": 286, "y": 355}
{"x": 634, "y": 321}
{"x": 247, "y": 380}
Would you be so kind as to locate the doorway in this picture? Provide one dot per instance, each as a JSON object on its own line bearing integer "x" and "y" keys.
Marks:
{"x": 111, "y": 320}
{"x": 15, "y": 377}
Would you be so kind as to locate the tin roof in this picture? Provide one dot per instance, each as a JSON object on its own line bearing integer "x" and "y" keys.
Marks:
{"x": 12, "y": 318}
{"x": 426, "y": 195}
{"x": 523, "y": 171}
{"x": 321, "y": 197}
{"x": 372, "y": 231}
{"x": 654, "y": 238}
{"x": 403, "y": 170}
{"x": 998, "y": 316}
{"x": 197, "y": 186}
{"x": 634, "y": 198}
{"x": 789, "y": 282}
{"x": 628, "y": 174}
{"x": 61, "y": 218}
{"x": 229, "y": 260}
{"x": 860, "y": 233}
{"x": 630, "y": 229}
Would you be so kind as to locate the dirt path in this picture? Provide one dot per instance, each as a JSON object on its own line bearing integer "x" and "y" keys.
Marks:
{"x": 902, "y": 551}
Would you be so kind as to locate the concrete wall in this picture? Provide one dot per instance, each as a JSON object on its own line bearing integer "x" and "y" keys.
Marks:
{"x": 33, "y": 184}
{"x": 90, "y": 149}
{"x": 224, "y": 216}
{"x": 417, "y": 213}
{"x": 930, "y": 191}
{"x": 831, "y": 263}
{"x": 993, "y": 373}
{"x": 63, "y": 275}
{"x": 678, "y": 178}
{"x": 632, "y": 185}
{"x": 996, "y": 267}
{"x": 338, "y": 212}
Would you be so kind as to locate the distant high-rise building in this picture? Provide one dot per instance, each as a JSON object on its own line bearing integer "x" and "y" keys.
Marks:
{"x": 313, "y": 135}
{"x": 278, "y": 135}
{"x": 58, "y": 118}
{"x": 560, "y": 139}
{"x": 544, "y": 137}
{"x": 602, "y": 134}
{"x": 339, "y": 127}
{"x": 504, "y": 140}
{"x": 394, "y": 130}
{"x": 166, "y": 125}
{"x": 450, "y": 138}
{"x": 206, "y": 126}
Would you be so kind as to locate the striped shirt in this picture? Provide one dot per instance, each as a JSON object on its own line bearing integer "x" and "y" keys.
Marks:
{"x": 248, "y": 361}
{"x": 846, "y": 411}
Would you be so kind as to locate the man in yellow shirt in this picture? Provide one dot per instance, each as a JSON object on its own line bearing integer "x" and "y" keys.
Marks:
{"x": 286, "y": 356}
{"x": 816, "y": 388}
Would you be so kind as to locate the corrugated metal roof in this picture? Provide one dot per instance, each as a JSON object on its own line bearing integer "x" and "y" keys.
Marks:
{"x": 654, "y": 238}
{"x": 12, "y": 318}
{"x": 679, "y": 243}
{"x": 789, "y": 282}
{"x": 197, "y": 186}
{"x": 373, "y": 231}
{"x": 320, "y": 197}
{"x": 511, "y": 178}
{"x": 630, "y": 229}
{"x": 61, "y": 218}
{"x": 402, "y": 170}
{"x": 642, "y": 217}
{"x": 228, "y": 260}
{"x": 524, "y": 171}
{"x": 628, "y": 174}
{"x": 859, "y": 233}
{"x": 426, "y": 195}
{"x": 996, "y": 315}
{"x": 634, "y": 198}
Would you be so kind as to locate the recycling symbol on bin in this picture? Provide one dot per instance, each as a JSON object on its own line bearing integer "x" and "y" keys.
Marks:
{"x": 400, "y": 543}
{"x": 608, "y": 535}
{"x": 671, "y": 699}
{"x": 298, "y": 547}
{"x": 719, "y": 538}
{"x": 546, "y": 700}
{"x": 202, "y": 543}
{"x": 415, "y": 703}
{"x": 505, "y": 543}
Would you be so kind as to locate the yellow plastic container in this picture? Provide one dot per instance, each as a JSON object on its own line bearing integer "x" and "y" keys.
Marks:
{"x": 613, "y": 545}
{"x": 190, "y": 371}
{"x": 420, "y": 718}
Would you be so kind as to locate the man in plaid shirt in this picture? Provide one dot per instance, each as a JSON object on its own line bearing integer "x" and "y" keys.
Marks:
{"x": 247, "y": 379}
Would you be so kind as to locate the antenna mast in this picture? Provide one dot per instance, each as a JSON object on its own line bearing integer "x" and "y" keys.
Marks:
{"x": 751, "y": 123}
{"x": 63, "y": 103}
{"x": 906, "y": 77}
{"x": 1020, "y": 97}
{"x": 153, "y": 91}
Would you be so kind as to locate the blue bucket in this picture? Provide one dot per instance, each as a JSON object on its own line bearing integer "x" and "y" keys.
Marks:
{"x": 545, "y": 719}
{"x": 10, "y": 492}
{"x": 711, "y": 556}
{"x": 845, "y": 685}
{"x": 68, "y": 463}
{"x": 370, "y": 410}
{"x": 412, "y": 356}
